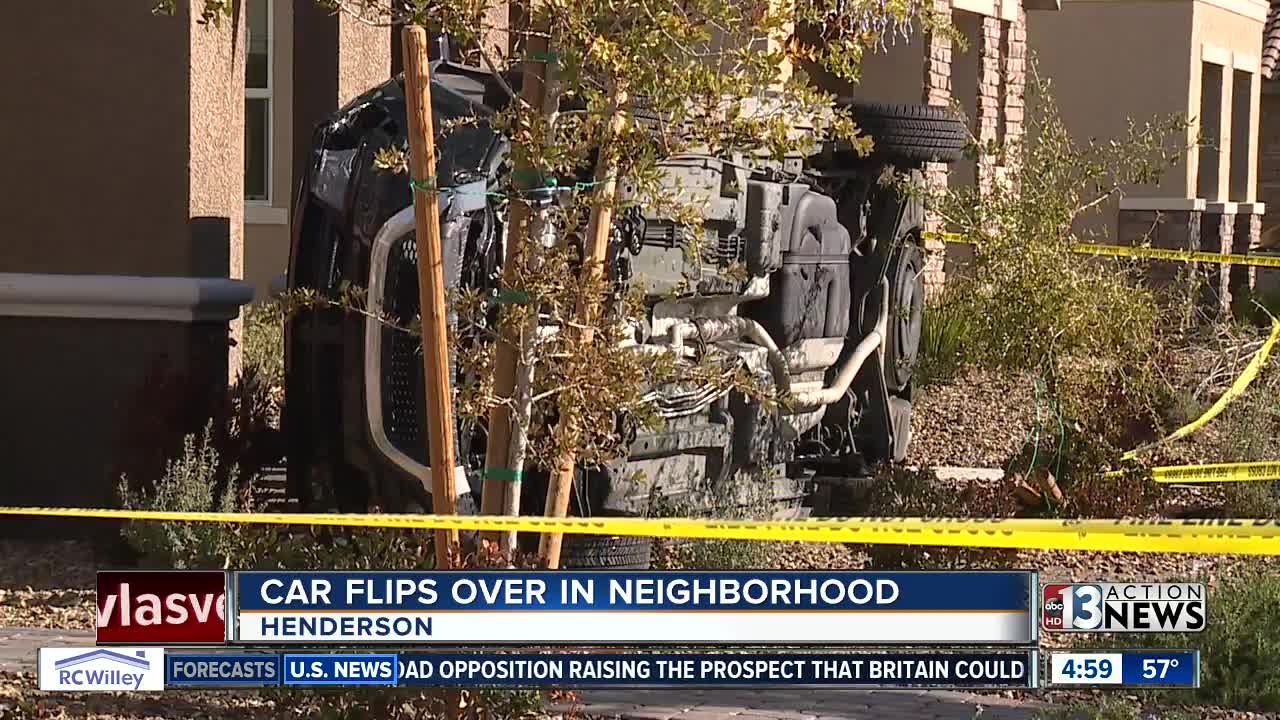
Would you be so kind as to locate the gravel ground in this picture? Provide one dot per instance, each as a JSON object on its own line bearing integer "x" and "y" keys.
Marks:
{"x": 979, "y": 420}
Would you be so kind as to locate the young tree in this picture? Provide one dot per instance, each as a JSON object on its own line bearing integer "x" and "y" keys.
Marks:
{"x": 610, "y": 88}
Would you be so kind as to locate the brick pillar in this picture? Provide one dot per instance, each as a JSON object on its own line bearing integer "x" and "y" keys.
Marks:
{"x": 1015, "y": 84}
{"x": 1217, "y": 227}
{"x": 989, "y": 107}
{"x": 936, "y": 91}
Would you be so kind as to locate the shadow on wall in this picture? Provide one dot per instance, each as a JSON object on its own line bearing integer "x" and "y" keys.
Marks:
{"x": 210, "y": 246}
{"x": 73, "y": 386}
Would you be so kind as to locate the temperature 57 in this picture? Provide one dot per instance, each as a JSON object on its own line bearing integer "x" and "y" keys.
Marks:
{"x": 1157, "y": 668}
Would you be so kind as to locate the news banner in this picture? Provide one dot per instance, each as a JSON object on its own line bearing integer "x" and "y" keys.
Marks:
{"x": 161, "y": 630}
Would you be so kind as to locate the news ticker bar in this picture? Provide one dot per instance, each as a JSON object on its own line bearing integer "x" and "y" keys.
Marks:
{"x": 116, "y": 669}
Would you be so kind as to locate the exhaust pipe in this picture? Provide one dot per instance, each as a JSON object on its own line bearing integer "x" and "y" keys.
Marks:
{"x": 815, "y": 399}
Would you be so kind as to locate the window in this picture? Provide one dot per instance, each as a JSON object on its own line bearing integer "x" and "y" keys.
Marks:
{"x": 257, "y": 102}
{"x": 1210, "y": 131}
{"x": 1241, "y": 150}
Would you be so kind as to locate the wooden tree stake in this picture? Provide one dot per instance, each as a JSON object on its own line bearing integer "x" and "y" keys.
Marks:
{"x": 431, "y": 294}
{"x": 594, "y": 254}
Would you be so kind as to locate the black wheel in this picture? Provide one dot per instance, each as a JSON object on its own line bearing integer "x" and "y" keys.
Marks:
{"x": 925, "y": 133}
{"x": 906, "y": 310}
{"x": 597, "y": 552}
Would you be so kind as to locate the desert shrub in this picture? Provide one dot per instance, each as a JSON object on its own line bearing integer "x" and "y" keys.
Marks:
{"x": 899, "y": 492}
{"x": 186, "y": 486}
{"x": 945, "y": 330}
{"x": 752, "y": 501}
{"x": 233, "y": 423}
{"x": 1237, "y": 647}
{"x": 1087, "y": 327}
{"x": 262, "y": 346}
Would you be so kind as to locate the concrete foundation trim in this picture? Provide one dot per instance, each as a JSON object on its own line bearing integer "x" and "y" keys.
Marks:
{"x": 122, "y": 297}
{"x": 1169, "y": 204}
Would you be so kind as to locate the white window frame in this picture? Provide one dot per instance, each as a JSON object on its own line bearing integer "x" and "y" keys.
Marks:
{"x": 267, "y": 94}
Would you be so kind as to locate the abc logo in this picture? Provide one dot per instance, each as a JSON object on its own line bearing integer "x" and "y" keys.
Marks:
{"x": 1054, "y": 605}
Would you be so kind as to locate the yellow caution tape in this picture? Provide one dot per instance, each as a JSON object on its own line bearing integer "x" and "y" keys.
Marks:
{"x": 1248, "y": 537}
{"x": 1176, "y": 255}
{"x": 1221, "y": 472}
{"x": 1237, "y": 388}
{"x": 1212, "y": 472}
{"x": 1141, "y": 252}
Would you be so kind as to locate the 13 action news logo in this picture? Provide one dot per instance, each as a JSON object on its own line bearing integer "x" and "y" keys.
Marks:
{"x": 1123, "y": 607}
{"x": 101, "y": 669}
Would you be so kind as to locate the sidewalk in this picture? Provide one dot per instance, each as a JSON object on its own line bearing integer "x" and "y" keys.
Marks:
{"x": 18, "y": 654}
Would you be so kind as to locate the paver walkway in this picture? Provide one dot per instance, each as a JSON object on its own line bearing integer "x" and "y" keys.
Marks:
{"x": 18, "y": 653}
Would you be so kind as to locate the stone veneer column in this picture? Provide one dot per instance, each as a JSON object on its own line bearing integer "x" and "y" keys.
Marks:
{"x": 936, "y": 91}
{"x": 1015, "y": 83}
{"x": 988, "y": 108}
{"x": 1216, "y": 231}
{"x": 1246, "y": 238}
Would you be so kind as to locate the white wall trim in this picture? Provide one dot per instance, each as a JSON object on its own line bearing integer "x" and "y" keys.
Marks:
{"x": 122, "y": 297}
{"x": 256, "y": 213}
{"x": 1253, "y": 208}
{"x": 1245, "y": 62}
{"x": 1155, "y": 203}
{"x": 1216, "y": 55}
{"x": 1002, "y": 9}
{"x": 1221, "y": 208}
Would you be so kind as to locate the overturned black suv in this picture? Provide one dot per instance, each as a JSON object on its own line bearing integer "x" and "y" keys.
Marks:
{"x": 831, "y": 309}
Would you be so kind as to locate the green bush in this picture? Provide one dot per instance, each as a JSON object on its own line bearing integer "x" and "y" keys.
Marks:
{"x": 945, "y": 331}
{"x": 263, "y": 342}
{"x": 186, "y": 486}
{"x": 1238, "y": 647}
{"x": 899, "y": 492}
{"x": 1087, "y": 327}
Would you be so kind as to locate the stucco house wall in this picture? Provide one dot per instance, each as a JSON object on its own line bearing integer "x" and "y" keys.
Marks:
{"x": 1109, "y": 61}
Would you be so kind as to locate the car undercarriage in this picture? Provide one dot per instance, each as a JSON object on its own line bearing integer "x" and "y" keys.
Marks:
{"x": 827, "y": 313}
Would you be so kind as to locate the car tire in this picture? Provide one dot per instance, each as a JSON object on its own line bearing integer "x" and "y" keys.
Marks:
{"x": 922, "y": 133}
{"x": 606, "y": 552}
{"x": 906, "y": 312}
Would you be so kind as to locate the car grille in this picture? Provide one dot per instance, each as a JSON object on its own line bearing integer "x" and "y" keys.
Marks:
{"x": 402, "y": 378}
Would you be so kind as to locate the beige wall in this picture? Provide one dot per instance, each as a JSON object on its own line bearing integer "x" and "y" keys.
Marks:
{"x": 96, "y": 128}
{"x": 894, "y": 74}
{"x": 1110, "y": 61}
{"x": 266, "y": 231}
{"x": 1230, "y": 36}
